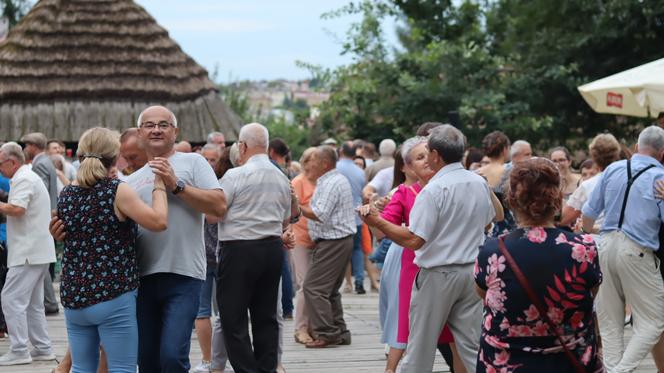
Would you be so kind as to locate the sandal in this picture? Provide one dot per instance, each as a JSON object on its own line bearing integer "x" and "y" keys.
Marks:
{"x": 303, "y": 337}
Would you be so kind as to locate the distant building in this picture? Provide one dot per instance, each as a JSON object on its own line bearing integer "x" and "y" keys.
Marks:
{"x": 4, "y": 28}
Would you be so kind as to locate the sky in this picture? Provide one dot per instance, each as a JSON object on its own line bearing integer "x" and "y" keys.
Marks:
{"x": 255, "y": 39}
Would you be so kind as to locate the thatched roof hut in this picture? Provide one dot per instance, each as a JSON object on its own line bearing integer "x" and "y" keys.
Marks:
{"x": 74, "y": 64}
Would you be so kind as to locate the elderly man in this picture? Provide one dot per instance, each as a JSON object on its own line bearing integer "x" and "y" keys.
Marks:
{"x": 331, "y": 227}
{"x": 446, "y": 229}
{"x": 520, "y": 151}
{"x": 35, "y": 150}
{"x": 632, "y": 219}
{"x": 172, "y": 263}
{"x": 386, "y": 148}
{"x": 132, "y": 151}
{"x": 31, "y": 251}
{"x": 251, "y": 254}
{"x": 218, "y": 139}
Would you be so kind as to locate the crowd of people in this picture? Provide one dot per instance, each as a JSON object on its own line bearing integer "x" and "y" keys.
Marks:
{"x": 500, "y": 259}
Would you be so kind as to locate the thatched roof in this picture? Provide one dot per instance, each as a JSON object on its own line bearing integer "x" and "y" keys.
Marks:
{"x": 74, "y": 64}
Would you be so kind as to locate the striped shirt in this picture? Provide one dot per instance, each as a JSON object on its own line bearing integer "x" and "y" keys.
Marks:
{"x": 332, "y": 203}
{"x": 258, "y": 197}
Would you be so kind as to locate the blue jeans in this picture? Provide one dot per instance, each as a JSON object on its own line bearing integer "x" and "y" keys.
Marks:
{"x": 287, "y": 292}
{"x": 111, "y": 323}
{"x": 357, "y": 260}
{"x": 205, "y": 301}
{"x": 380, "y": 252}
{"x": 167, "y": 307}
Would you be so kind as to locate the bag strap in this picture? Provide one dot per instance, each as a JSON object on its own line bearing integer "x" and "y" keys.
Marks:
{"x": 630, "y": 181}
{"x": 538, "y": 304}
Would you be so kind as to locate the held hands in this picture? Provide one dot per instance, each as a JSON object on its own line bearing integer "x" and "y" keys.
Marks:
{"x": 369, "y": 214}
{"x": 659, "y": 189}
{"x": 57, "y": 227}
{"x": 288, "y": 238}
{"x": 164, "y": 173}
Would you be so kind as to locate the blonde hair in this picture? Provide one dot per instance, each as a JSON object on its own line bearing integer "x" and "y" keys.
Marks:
{"x": 98, "y": 149}
{"x": 307, "y": 155}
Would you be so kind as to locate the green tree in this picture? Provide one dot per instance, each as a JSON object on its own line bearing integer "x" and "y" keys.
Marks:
{"x": 14, "y": 10}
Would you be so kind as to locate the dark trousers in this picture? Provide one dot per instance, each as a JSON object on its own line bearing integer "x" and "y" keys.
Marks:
{"x": 166, "y": 308}
{"x": 286, "y": 288}
{"x": 329, "y": 260}
{"x": 248, "y": 279}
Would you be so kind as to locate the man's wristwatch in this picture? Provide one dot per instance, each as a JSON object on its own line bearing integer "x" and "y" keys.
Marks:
{"x": 179, "y": 186}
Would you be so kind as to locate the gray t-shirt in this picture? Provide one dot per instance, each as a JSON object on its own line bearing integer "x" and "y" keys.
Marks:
{"x": 180, "y": 249}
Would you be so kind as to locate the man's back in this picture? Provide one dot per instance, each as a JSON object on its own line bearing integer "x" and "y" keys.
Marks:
{"x": 450, "y": 214}
{"x": 643, "y": 211}
{"x": 355, "y": 177}
{"x": 43, "y": 166}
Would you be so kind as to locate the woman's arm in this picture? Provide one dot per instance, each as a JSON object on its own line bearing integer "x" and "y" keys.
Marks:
{"x": 62, "y": 177}
{"x": 128, "y": 203}
{"x": 500, "y": 213}
{"x": 569, "y": 216}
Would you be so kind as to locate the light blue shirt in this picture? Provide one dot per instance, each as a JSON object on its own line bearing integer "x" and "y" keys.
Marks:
{"x": 643, "y": 213}
{"x": 356, "y": 178}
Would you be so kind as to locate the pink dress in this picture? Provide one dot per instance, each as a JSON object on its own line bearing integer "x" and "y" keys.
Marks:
{"x": 398, "y": 212}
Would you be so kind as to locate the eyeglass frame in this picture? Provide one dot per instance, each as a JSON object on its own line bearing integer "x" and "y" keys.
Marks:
{"x": 162, "y": 125}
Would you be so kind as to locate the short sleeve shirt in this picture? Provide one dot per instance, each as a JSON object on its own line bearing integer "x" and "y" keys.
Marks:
{"x": 181, "y": 248}
{"x": 258, "y": 197}
{"x": 450, "y": 215}
{"x": 28, "y": 238}
{"x": 332, "y": 203}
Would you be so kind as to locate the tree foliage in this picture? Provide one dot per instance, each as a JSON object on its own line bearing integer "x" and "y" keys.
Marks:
{"x": 512, "y": 65}
{"x": 14, "y": 10}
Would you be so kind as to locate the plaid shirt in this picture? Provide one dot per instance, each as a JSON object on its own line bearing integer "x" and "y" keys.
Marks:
{"x": 332, "y": 203}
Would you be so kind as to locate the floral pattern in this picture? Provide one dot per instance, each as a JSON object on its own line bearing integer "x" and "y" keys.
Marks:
{"x": 99, "y": 261}
{"x": 562, "y": 268}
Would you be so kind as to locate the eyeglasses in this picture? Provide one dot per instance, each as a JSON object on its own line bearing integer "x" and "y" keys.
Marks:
{"x": 163, "y": 125}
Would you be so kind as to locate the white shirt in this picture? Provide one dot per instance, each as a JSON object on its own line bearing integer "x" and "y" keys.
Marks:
{"x": 383, "y": 181}
{"x": 581, "y": 195}
{"x": 450, "y": 214}
{"x": 259, "y": 200}
{"x": 28, "y": 238}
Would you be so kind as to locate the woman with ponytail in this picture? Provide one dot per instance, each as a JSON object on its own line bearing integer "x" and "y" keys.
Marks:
{"x": 99, "y": 267}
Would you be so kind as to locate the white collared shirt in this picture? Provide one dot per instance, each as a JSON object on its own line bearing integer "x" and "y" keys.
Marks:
{"x": 28, "y": 238}
{"x": 258, "y": 197}
{"x": 450, "y": 215}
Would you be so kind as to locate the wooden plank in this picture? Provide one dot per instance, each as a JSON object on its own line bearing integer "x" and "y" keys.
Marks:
{"x": 365, "y": 354}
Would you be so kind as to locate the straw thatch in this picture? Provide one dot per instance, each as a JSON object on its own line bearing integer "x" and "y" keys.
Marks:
{"x": 74, "y": 64}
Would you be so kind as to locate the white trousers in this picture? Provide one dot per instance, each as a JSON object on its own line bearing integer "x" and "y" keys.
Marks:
{"x": 443, "y": 294}
{"x": 630, "y": 275}
{"x": 23, "y": 306}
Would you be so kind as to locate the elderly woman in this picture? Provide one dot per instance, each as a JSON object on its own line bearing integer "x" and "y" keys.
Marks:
{"x": 523, "y": 330}
{"x": 99, "y": 267}
{"x": 417, "y": 173}
{"x": 604, "y": 150}
{"x": 304, "y": 185}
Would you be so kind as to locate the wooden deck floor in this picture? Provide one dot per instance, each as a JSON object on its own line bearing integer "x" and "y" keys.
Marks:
{"x": 366, "y": 354}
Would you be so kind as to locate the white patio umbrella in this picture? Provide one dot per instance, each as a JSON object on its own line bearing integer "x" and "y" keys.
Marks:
{"x": 636, "y": 92}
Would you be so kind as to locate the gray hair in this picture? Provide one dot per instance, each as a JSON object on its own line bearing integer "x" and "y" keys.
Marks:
{"x": 326, "y": 153}
{"x": 211, "y": 147}
{"x": 37, "y": 139}
{"x": 387, "y": 147}
{"x": 448, "y": 142}
{"x": 517, "y": 146}
{"x": 212, "y": 135}
{"x": 173, "y": 118}
{"x": 234, "y": 155}
{"x": 408, "y": 145}
{"x": 13, "y": 150}
{"x": 255, "y": 135}
{"x": 652, "y": 137}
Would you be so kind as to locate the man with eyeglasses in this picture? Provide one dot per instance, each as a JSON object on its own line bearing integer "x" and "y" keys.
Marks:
{"x": 172, "y": 263}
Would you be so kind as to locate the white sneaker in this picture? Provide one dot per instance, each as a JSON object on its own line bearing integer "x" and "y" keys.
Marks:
{"x": 13, "y": 358}
{"x": 203, "y": 367}
{"x": 37, "y": 355}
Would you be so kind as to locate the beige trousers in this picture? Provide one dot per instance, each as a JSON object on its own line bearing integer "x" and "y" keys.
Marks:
{"x": 630, "y": 275}
{"x": 301, "y": 262}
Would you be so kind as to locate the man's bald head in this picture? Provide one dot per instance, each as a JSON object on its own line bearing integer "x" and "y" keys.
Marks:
{"x": 255, "y": 135}
{"x": 157, "y": 109}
